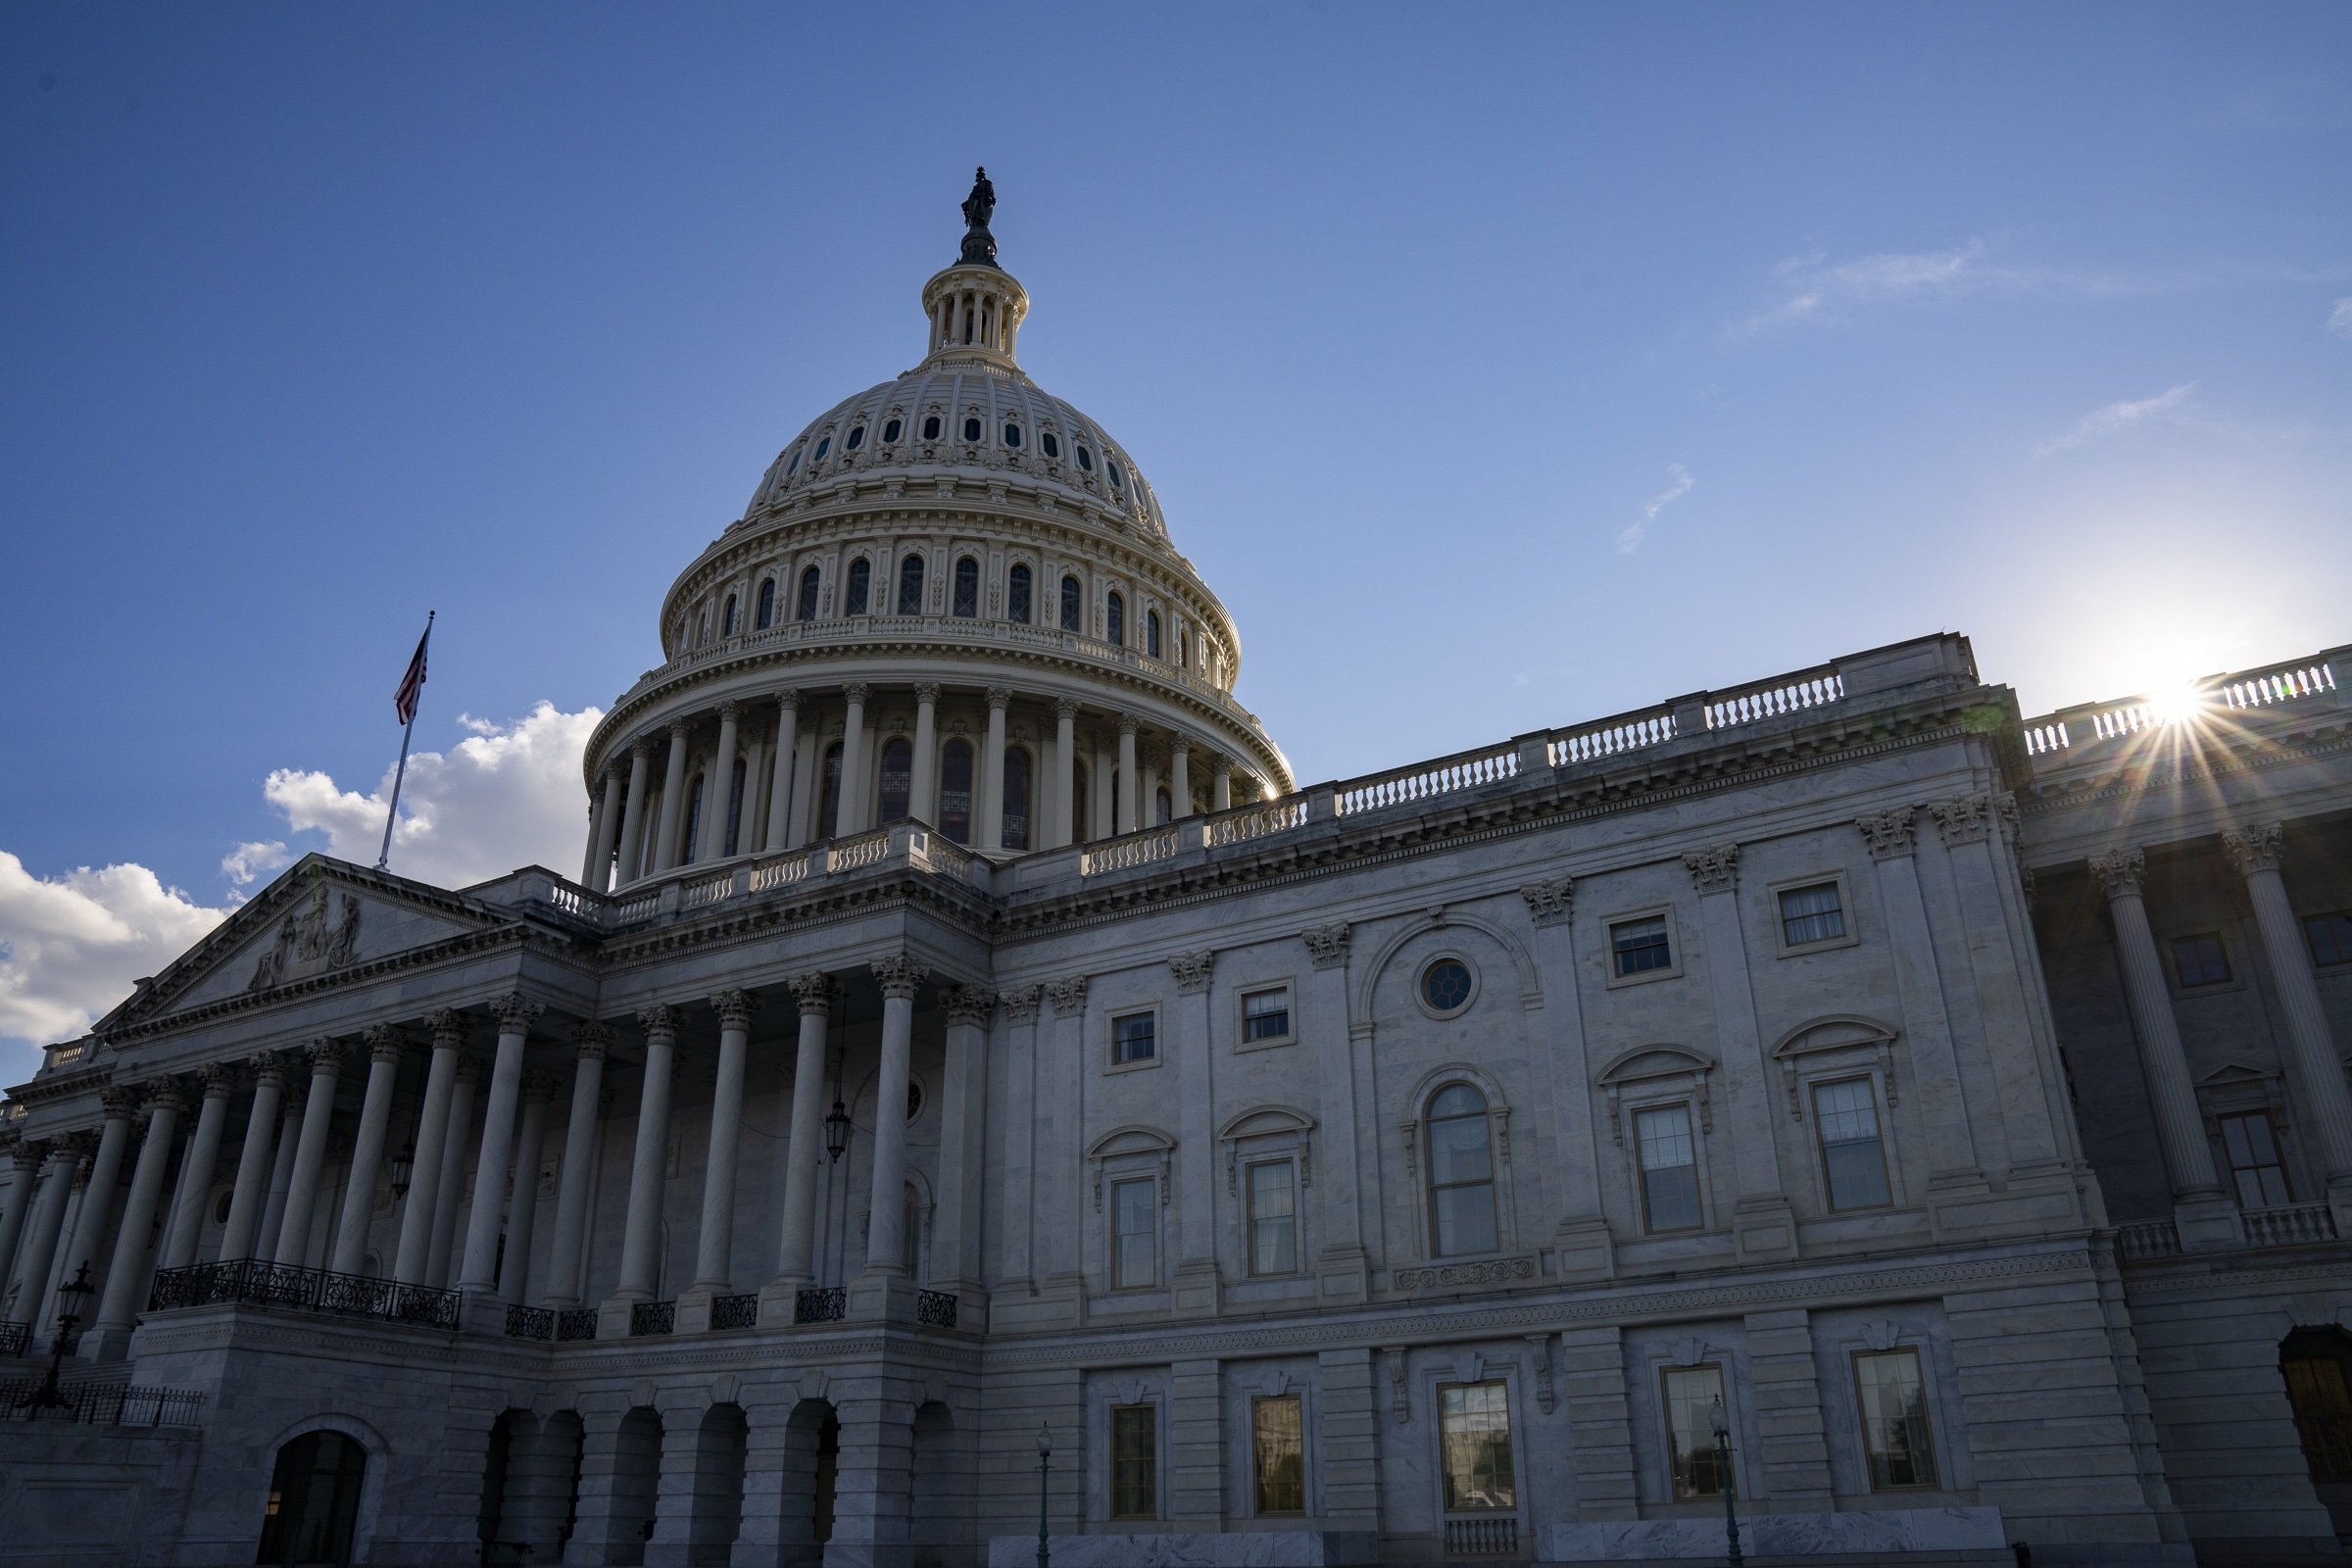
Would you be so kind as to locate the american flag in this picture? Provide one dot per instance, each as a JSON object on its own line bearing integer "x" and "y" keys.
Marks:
{"x": 412, "y": 684}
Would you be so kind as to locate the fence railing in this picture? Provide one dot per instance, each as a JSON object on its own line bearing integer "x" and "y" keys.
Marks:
{"x": 103, "y": 1404}
{"x": 252, "y": 1282}
{"x": 935, "y": 1308}
{"x": 1782, "y": 694}
{"x": 1401, "y": 785}
{"x": 530, "y": 1322}
{"x": 13, "y": 1337}
{"x": 1482, "y": 1538}
{"x": 735, "y": 1311}
{"x": 2148, "y": 1237}
{"x": 2288, "y": 1225}
{"x": 653, "y": 1317}
{"x": 2086, "y": 723}
{"x": 575, "y": 1323}
{"x": 824, "y": 1303}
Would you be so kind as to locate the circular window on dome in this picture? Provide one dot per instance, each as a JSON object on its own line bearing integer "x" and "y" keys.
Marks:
{"x": 857, "y": 439}
{"x": 971, "y": 429}
{"x": 891, "y": 431}
{"x": 822, "y": 447}
{"x": 1012, "y": 435}
{"x": 931, "y": 428}
{"x": 1051, "y": 446}
{"x": 1447, "y": 987}
{"x": 1086, "y": 460}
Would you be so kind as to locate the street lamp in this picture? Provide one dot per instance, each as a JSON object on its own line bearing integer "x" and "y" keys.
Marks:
{"x": 1722, "y": 1423}
{"x": 1045, "y": 1467}
{"x": 72, "y": 1297}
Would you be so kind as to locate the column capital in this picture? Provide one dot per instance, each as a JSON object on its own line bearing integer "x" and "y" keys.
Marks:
{"x": 448, "y": 1025}
{"x": 590, "y": 1040}
{"x": 1549, "y": 902}
{"x": 1065, "y": 708}
{"x": 118, "y": 1102}
{"x": 1963, "y": 819}
{"x": 2120, "y": 873}
{"x": 1020, "y": 1003}
{"x": 268, "y": 1067}
{"x": 857, "y": 692}
{"x": 1326, "y": 945}
{"x": 328, "y": 1055}
{"x": 1220, "y": 763}
{"x": 1715, "y": 868}
{"x": 1068, "y": 996}
{"x": 514, "y": 1012}
{"x": 1129, "y": 724}
{"x": 166, "y": 1094}
{"x": 789, "y": 698}
{"x": 660, "y": 1023}
{"x": 217, "y": 1079}
{"x": 28, "y": 1157}
{"x": 1179, "y": 741}
{"x": 730, "y": 712}
{"x": 899, "y": 974}
{"x": 999, "y": 698}
{"x": 1889, "y": 834}
{"x": 1193, "y": 970}
{"x": 734, "y": 1008}
{"x": 813, "y": 992}
{"x": 71, "y": 1148}
{"x": 680, "y": 729}
{"x": 926, "y": 691}
{"x": 384, "y": 1043}
{"x": 641, "y": 749}
{"x": 2254, "y": 848}
{"x": 970, "y": 1004}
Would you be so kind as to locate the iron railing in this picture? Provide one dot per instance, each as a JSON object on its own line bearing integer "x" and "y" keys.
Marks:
{"x": 530, "y": 1322}
{"x": 653, "y": 1317}
{"x": 103, "y": 1404}
{"x": 252, "y": 1281}
{"x": 825, "y": 1303}
{"x": 935, "y": 1309}
{"x": 15, "y": 1337}
{"x": 735, "y": 1311}
{"x": 575, "y": 1323}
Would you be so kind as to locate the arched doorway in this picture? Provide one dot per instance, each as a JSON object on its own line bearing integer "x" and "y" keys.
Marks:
{"x": 716, "y": 1515}
{"x": 314, "y": 1505}
{"x": 940, "y": 1498}
{"x": 636, "y": 1484}
{"x": 2316, "y": 1364}
{"x": 812, "y": 1457}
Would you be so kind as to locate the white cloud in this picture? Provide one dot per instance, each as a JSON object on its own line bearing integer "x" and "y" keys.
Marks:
{"x": 1628, "y": 539}
{"x": 2117, "y": 416}
{"x": 1815, "y": 288}
{"x": 2339, "y": 320}
{"x": 507, "y": 796}
{"x": 70, "y": 946}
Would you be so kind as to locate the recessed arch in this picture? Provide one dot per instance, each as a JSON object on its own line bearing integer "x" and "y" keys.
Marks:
{"x": 1833, "y": 1031}
{"x": 1531, "y": 992}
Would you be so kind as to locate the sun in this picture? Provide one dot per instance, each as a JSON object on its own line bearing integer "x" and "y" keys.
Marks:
{"x": 2176, "y": 703}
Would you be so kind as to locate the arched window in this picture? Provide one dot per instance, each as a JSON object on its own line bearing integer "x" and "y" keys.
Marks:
{"x": 1016, "y": 595}
{"x": 1118, "y": 481}
{"x": 1015, "y": 826}
{"x": 861, "y": 576}
{"x": 898, "y": 778}
{"x": 693, "y": 822}
{"x": 891, "y": 431}
{"x": 314, "y": 1499}
{"x": 1163, "y": 809}
{"x": 1071, "y": 605}
{"x": 1115, "y": 621}
{"x": 967, "y": 587}
{"x": 1012, "y": 434}
{"x": 735, "y": 810}
{"x": 727, "y": 619}
{"x": 931, "y": 427}
{"x": 955, "y": 791}
{"x": 828, "y": 809}
{"x": 1051, "y": 444}
{"x": 971, "y": 429}
{"x": 824, "y": 445}
{"x": 793, "y": 466}
{"x": 1151, "y": 632}
{"x": 1086, "y": 459}
{"x": 807, "y": 608}
{"x": 767, "y": 614}
{"x": 910, "y": 586}
{"x": 857, "y": 439}
{"x": 1082, "y": 797}
{"x": 1462, "y": 1173}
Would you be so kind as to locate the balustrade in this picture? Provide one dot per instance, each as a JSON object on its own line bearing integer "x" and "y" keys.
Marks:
{"x": 1422, "y": 781}
{"x": 2289, "y": 1225}
{"x": 701, "y": 890}
{"x": 575, "y": 1323}
{"x": 252, "y": 1282}
{"x": 530, "y": 1322}
{"x": 1482, "y": 1538}
{"x": 857, "y": 852}
{"x": 935, "y": 1309}
{"x": 735, "y": 1311}
{"x": 824, "y": 1303}
{"x": 2151, "y": 1238}
{"x": 1782, "y": 694}
{"x": 1612, "y": 737}
{"x": 653, "y": 1317}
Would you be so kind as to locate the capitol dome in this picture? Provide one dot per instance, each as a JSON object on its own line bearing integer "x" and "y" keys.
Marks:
{"x": 953, "y": 599}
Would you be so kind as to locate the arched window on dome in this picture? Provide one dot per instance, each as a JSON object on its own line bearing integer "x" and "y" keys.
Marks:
{"x": 828, "y": 806}
{"x": 1012, "y": 435}
{"x": 1015, "y": 826}
{"x": 931, "y": 427}
{"x": 1050, "y": 444}
{"x": 1151, "y": 632}
{"x": 1114, "y": 620}
{"x": 824, "y": 444}
{"x": 792, "y": 465}
{"x": 731, "y": 845}
{"x": 955, "y": 790}
{"x": 693, "y": 822}
{"x": 1016, "y": 595}
{"x": 910, "y": 586}
{"x": 898, "y": 778}
{"x": 1072, "y": 602}
{"x": 856, "y": 438}
{"x": 1118, "y": 481}
{"x": 1086, "y": 459}
{"x": 971, "y": 428}
{"x": 892, "y": 430}
{"x": 765, "y": 616}
{"x": 727, "y": 620}
{"x": 861, "y": 577}
{"x": 1462, "y": 1173}
{"x": 808, "y": 583}
{"x": 967, "y": 587}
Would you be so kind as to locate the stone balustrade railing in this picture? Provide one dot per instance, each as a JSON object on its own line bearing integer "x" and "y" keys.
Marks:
{"x": 2295, "y": 680}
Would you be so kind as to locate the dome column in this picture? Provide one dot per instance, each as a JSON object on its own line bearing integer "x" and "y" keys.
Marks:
{"x": 922, "y": 794}
{"x": 1125, "y": 804}
{"x": 673, "y": 798}
{"x": 604, "y": 822}
{"x": 1180, "y": 776}
{"x": 719, "y": 790}
{"x": 1066, "y": 775}
{"x": 779, "y": 792}
{"x": 1220, "y": 789}
{"x": 851, "y": 811}
{"x": 632, "y": 817}
{"x": 992, "y": 775}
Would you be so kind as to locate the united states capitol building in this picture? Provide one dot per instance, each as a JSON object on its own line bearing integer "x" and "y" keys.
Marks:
{"x": 966, "y": 1036}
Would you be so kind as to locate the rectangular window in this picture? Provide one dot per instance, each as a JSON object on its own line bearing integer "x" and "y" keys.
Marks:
{"x": 2330, "y": 937}
{"x": 1853, "y": 1166}
{"x": 1811, "y": 915}
{"x": 1134, "y": 1234}
{"x": 1134, "y": 1038}
{"x": 1894, "y": 1420}
{"x": 1641, "y": 946}
{"x": 2252, "y": 1149}
{"x": 2199, "y": 960}
{"x": 1691, "y": 1394}
{"x": 1134, "y": 1462}
{"x": 1273, "y": 1217}
{"x": 1278, "y": 1453}
{"x": 1265, "y": 1014}
{"x": 1474, "y": 1437}
{"x": 1669, "y": 1163}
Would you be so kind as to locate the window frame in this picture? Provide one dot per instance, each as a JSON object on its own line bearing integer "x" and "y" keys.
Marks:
{"x": 1289, "y": 1160}
{"x": 1421, "y": 974}
{"x": 1021, "y": 594}
{"x": 859, "y": 594}
{"x": 1798, "y": 884}
{"x": 1692, "y": 1125}
{"x": 1257, "y": 1481}
{"x": 1813, "y": 1086}
{"x": 1070, "y": 605}
{"x": 957, "y": 583}
{"x": 2278, "y": 1157}
{"x": 1115, "y": 618}
{"x": 1112, "y": 1024}
{"x": 1496, "y": 1161}
{"x": 1611, "y": 980}
{"x": 1727, "y": 1476}
{"x": 811, "y": 591}
{"x": 1240, "y": 1014}
{"x": 1447, "y": 1509}
{"x": 2311, "y": 943}
{"x": 914, "y": 572}
{"x": 764, "y": 614}
{"x": 1154, "y": 1198}
{"x": 1111, "y": 1461}
{"x": 1927, "y": 1419}
{"x": 2181, "y": 984}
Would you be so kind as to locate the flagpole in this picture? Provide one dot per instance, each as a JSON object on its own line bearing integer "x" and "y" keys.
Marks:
{"x": 384, "y": 856}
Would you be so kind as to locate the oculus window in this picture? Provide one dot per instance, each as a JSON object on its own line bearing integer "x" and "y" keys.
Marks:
{"x": 1638, "y": 946}
{"x": 1462, "y": 1173}
{"x": 1669, "y": 1165}
{"x": 1445, "y": 986}
{"x": 1894, "y": 1420}
{"x": 1690, "y": 1393}
{"x": 1853, "y": 1162}
{"x": 1134, "y": 1038}
{"x": 1278, "y": 1453}
{"x": 1134, "y": 1233}
{"x": 1474, "y": 1447}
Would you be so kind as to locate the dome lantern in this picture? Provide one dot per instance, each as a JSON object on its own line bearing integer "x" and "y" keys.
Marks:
{"x": 975, "y": 306}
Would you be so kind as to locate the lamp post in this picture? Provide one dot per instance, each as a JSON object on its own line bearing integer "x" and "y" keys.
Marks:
{"x": 1722, "y": 1423}
{"x": 71, "y": 1298}
{"x": 1045, "y": 1467}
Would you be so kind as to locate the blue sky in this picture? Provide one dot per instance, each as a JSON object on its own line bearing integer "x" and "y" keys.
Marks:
{"x": 1499, "y": 367}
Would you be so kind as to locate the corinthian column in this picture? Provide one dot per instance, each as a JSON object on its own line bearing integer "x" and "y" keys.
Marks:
{"x": 992, "y": 772}
{"x": 674, "y": 796}
{"x": 450, "y": 1186}
{"x": 962, "y": 1120}
{"x": 803, "y": 1151}
{"x": 89, "y": 1244}
{"x": 719, "y": 790}
{"x": 416, "y": 1249}
{"x": 253, "y": 1161}
{"x": 1220, "y": 787}
{"x": 632, "y": 817}
{"x": 384, "y": 1047}
{"x": 2328, "y": 1100}
{"x": 597, "y": 875}
{"x": 779, "y": 788}
{"x": 851, "y": 817}
{"x": 478, "y": 1273}
{"x": 126, "y": 1275}
{"x": 1129, "y": 785}
{"x": 514, "y": 1272}
{"x": 712, "y": 1242}
{"x": 22, "y": 1188}
{"x": 42, "y": 1230}
{"x": 885, "y": 1228}
{"x": 2179, "y": 1128}
{"x": 1180, "y": 775}
{"x": 589, "y": 1044}
{"x": 195, "y": 1169}
{"x": 922, "y": 793}
{"x": 1065, "y": 829}
{"x": 641, "y": 1240}
{"x": 310, "y": 1153}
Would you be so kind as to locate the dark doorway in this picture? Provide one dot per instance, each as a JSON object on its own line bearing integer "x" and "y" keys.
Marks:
{"x": 828, "y": 1463}
{"x": 313, "y": 1505}
{"x": 2316, "y": 1364}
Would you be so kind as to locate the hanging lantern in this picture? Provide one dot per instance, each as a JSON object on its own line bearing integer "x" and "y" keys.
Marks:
{"x": 836, "y": 1130}
{"x": 403, "y": 1165}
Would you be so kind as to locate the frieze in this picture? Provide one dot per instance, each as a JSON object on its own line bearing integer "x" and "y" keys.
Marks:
{"x": 1492, "y": 1274}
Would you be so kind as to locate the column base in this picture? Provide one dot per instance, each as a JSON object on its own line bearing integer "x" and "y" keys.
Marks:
{"x": 2207, "y": 1223}
{"x": 1764, "y": 1228}
{"x": 694, "y": 1309}
{"x": 109, "y": 1344}
{"x": 780, "y": 1300}
{"x": 876, "y": 1297}
{"x": 1585, "y": 1250}
{"x": 481, "y": 1314}
{"x": 1196, "y": 1289}
{"x": 612, "y": 1315}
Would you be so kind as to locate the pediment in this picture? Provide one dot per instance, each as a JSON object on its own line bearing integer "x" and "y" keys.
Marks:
{"x": 320, "y": 918}
{"x": 1837, "y": 1032}
{"x": 1654, "y": 1061}
{"x": 2232, "y": 1073}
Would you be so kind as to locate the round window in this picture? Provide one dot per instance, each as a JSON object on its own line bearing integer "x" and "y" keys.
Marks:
{"x": 1445, "y": 986}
